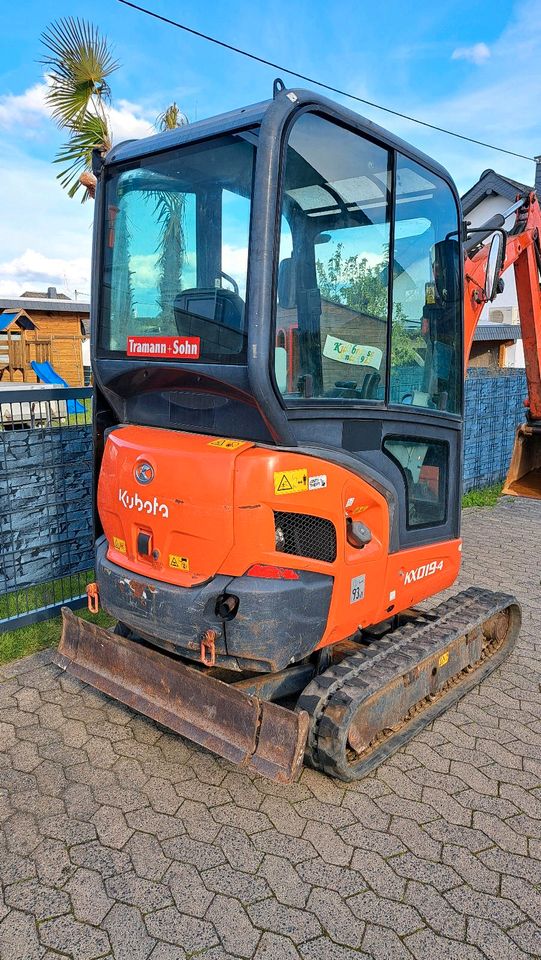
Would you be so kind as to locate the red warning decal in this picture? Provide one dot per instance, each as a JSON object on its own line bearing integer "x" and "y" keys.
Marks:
{"x": 178, "y": 348}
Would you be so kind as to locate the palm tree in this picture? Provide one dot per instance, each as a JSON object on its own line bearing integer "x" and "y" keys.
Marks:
{"x": 170, "y": 215}
{"x": 78, "y": 63}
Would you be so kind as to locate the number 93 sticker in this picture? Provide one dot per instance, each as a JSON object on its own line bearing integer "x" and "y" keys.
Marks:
{"x": 357, "y": 588}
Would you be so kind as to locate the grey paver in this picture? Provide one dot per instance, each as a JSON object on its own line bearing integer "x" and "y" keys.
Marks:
{"x": 79, "y": 940}
{"x": 234, "y": 928}
{"x": 284, "y": 881}
{"x": 139, "y": 892}
{"x": 494, "y": 943}
{"x": 191, "y": 934}
{"x": 383, "y": 944}
{"x": 341, "y": 923}
{"x": 88, "y": 896}
{"x": 18, "y": 937}
{"x": 400, "y": 917}
{"x": 127, "y": 933}
{"x": 36, "y": 898}
{"x": 120, "y": 840}
{"x": 299, "y": 925}
{"x": 188, "y": 889}
{"x": 323, "y": 948}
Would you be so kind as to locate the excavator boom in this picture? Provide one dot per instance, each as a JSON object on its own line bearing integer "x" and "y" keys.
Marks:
{"x": 520, "y": 248}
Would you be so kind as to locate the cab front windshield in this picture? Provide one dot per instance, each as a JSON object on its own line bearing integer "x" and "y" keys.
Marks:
{"x": 368, "y": 293}
{"x": 175, "y": 253}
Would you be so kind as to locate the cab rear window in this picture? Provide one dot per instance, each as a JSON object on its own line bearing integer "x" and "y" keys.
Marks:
{"x": 176, "y": 254}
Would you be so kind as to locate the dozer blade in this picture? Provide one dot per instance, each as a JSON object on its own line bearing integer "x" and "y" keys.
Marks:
{"x": 524, "y": 474}
{"x": 261, "y": 736}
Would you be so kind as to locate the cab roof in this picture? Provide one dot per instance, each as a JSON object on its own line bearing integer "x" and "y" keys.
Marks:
{"x": 253, "y": 115}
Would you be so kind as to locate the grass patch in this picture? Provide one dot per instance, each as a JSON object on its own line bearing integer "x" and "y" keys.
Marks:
{"x": 21, "y": 643}
{"x": 26, "y": 640}
{"x": 485, "y": 497}
{"x": 44, "y": 594}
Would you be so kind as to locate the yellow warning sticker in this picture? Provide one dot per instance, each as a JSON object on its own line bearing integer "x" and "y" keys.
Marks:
{"x": 291, "y": 481}
{"x": 226, "y": 444}
{"x": 178, "y": 563}
{"x": 443, "y": 659}
{"x": 119, "y": 544}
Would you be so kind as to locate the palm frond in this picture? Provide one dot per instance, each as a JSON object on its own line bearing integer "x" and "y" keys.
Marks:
{"x": 77, "y": 151}
{"x": 171, "y": 118}
{"x": 78, "y": 62}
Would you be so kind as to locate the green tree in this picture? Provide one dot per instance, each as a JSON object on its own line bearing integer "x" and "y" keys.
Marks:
{"x": 352, "y": 282}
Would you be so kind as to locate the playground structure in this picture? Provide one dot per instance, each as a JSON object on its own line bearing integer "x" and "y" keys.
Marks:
{"x": 43, "y": 338}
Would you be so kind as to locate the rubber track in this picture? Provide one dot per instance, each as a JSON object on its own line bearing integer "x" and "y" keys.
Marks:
{"x": 333, "y": 698}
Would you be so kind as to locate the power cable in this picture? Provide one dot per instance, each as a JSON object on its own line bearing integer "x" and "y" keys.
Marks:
{"x": 320, "y": 83}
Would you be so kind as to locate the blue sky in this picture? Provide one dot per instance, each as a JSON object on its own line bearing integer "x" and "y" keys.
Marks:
{"x": 469, "y": 66}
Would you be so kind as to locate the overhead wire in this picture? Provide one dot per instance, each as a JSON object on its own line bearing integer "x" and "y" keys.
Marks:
{"x": 321, "y": 83}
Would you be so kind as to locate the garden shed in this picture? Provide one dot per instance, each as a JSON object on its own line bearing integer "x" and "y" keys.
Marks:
{"x": 42, "y": 330}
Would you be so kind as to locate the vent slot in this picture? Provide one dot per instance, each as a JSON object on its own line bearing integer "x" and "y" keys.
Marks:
{"x": 305, "y": 536}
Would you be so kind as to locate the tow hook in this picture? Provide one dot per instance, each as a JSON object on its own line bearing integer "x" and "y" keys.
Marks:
{"x": 208, "y": 648}
{"x": 93, "y": 597}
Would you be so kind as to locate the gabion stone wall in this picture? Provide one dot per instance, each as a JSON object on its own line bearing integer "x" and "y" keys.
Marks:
{"x": 494, "y": 409}
{"x": 46, "y": 497}
{"x": 46, "y": 481}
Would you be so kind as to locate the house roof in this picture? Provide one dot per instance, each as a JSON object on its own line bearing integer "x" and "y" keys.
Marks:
{"x": 497, "y": 331}
{"x": 44, "y": 305}
{"x": 36, "y": 295}
{"x": 491, "y": 183}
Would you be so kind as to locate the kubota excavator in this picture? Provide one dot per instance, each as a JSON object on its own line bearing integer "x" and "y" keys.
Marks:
{"x": 283, "y": 300}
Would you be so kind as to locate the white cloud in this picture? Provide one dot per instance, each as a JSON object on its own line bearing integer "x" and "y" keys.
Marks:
{"x": 478, "y": 53}
{"x": 33, "y": 269}
{"x": 25, "y": 110}
{"x": 128, "y": 122}
{"x": 23, "y": 113}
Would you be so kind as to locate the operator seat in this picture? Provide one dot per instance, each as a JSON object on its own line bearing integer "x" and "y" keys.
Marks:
{"x": 216, "y": 316}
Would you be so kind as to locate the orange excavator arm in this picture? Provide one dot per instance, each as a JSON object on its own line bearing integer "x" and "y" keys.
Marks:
{"x": 483, "y": 268}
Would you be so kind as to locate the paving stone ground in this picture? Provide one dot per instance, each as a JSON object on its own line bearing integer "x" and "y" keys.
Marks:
{"x": 120, "y": 840}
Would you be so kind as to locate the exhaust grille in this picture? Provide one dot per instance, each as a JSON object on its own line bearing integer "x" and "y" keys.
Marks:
{"x": 305, "y": 536}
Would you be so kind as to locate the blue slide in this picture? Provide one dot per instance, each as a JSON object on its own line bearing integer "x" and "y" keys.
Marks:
{"x": 48, "y": 374}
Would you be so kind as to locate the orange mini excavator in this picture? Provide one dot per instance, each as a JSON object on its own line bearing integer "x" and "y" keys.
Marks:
{"x": 283, "y": 298}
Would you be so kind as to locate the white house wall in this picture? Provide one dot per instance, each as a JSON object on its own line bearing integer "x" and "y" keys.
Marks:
{"x": 514, "y": 356}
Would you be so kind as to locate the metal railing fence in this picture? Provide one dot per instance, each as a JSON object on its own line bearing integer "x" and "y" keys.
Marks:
{"x": 46, "y": 551}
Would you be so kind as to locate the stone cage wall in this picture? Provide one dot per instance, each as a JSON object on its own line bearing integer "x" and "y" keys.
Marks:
{"x": 46, "y": 487}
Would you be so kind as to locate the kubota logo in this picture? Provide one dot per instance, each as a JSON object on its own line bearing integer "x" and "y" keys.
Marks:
{"x": 144, "y": 473}
{"x": 134, "y": 502}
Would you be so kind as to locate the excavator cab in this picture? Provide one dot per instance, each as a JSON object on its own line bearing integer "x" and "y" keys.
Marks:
{"x": 277, "y": 342}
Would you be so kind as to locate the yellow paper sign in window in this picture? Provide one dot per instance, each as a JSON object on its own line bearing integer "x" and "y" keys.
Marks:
{"x": 355, "y": 353}
{"x": 291, "y": 481}
{"x": 178, "y": 563}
